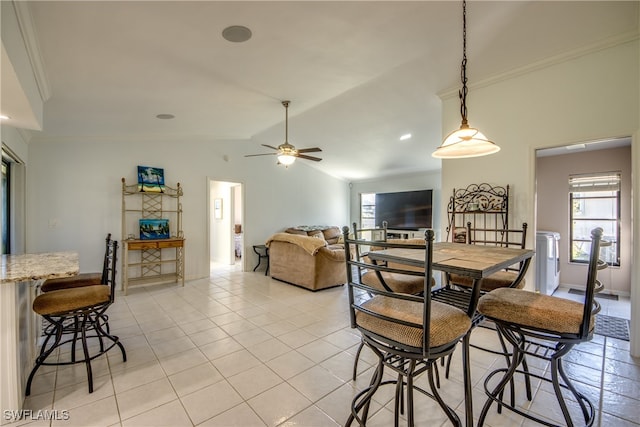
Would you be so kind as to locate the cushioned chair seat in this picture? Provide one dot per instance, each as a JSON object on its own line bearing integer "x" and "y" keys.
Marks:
{"x": 530, "y": 309}
{"x": 501, "y": 279}
{"x": 67, "y": 300}
{"x": 403, "y": 283}
{"x": 447, "y": 325}
{"x": 82, "y": 279}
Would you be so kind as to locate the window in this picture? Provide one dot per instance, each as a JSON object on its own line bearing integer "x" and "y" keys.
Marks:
{"x": 368, "y": 210}
{"x": 594, "y": 201}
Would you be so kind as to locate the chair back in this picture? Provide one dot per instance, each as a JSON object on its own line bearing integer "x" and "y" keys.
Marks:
{"x": 594, "y": 285}
{"x": 105, "y": 262}
{"x": 368, "y": 303}
{"x": 514, "y": 238}
{"x": 109, "y": 269}
{"x": 505, "y": 238}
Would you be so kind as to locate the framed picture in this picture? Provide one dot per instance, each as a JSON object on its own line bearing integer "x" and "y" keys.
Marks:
{"x": 217, "y": 208}
{"x": 150, "y": 179}
{"x": 151, "y": 229}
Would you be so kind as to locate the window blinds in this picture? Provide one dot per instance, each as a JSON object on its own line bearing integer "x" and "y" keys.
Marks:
{"x": 606, "y": 181}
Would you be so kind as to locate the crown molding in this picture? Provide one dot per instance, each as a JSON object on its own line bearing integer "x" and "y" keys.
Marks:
{"x": 547, "y": 62}
{"x": 29, "y": 35}
{"x": 36, "y": 137}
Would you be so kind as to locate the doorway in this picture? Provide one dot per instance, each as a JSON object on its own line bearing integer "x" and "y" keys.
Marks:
{"x": 571, "y": 212}
{"x": 226, "y": 224}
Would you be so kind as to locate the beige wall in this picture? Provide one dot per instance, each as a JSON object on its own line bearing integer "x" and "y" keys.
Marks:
{"x": 552, "y": 212}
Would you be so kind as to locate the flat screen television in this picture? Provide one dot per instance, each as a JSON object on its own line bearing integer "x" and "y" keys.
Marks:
{"x": 405, "y": 210}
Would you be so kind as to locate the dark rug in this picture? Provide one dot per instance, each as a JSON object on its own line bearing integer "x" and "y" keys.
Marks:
{"x": 600, "y": 295}
{"x": 613, "y": 327}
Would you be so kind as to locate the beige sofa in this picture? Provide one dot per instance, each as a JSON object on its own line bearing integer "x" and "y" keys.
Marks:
{"x": 308, "y": 257}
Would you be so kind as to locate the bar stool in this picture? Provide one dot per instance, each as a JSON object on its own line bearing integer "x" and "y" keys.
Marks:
{"x": 546, "y": 327}
{"x": 408, "y": 333}
{"x": 78, "y": 314}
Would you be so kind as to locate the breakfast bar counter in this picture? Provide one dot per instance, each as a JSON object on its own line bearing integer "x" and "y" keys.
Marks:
{"x": 18, "y": 324}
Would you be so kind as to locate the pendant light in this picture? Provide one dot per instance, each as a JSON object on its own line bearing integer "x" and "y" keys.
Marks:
{"x": 466, "y": 141}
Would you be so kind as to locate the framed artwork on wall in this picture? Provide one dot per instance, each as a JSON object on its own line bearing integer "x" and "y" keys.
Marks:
{"x": 217, "y": 208}
{"x": 151, "y": 229}
{"x": 150, "y": 179}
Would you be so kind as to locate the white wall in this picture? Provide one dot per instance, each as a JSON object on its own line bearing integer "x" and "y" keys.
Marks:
{"x": 408, "y": 182}
{"x": 587, "y": 98}
{"x": 75, "y": 187}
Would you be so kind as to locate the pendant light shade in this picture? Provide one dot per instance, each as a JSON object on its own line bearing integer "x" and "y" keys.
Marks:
{"x": 466, "y": 141}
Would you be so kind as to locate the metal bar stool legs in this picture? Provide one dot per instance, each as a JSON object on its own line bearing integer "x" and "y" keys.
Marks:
{"x": 557, "y": 373}
{"x": 88, "y": 327}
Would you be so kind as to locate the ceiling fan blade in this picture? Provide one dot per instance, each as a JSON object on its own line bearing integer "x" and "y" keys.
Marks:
{"x": 269, "y": 146}
{"x": 265, "y": 154}
{"x": 309, "y": 150}
{"x": 315, "y": 159}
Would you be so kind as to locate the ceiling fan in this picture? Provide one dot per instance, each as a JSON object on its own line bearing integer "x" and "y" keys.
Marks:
{"x": 286, "y": 152}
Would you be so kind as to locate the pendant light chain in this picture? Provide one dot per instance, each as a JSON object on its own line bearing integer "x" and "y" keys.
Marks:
{"x": 463, "y": 92}
{"x": 466, "y": 141}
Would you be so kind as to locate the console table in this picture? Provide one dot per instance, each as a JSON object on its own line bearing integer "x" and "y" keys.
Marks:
{"x": 151, "y": 261}
{"x": 19, "y": 325}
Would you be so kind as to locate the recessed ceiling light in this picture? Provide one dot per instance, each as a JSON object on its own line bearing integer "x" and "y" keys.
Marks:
{"x": 165, "y": 116}
{"x": 236, "y": 34}
{"x": 3, "y": 117}
{"x": 405, "y": 137}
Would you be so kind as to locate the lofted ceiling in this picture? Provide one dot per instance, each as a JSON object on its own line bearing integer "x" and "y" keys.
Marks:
{"x": 359, "y": 74}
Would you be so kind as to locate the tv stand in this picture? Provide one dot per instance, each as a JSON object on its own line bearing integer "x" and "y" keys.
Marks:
{"x": 417, "y": 233}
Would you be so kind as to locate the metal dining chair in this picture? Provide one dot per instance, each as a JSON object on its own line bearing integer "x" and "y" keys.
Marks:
{"x": 457, "y": 290}
{"x": 545, "y": 327}
{"x": 383, "y": 280}
{"x": 407, "y": 333}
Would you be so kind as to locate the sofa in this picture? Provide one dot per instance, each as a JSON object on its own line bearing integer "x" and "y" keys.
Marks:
{"x": 309, "y": 257}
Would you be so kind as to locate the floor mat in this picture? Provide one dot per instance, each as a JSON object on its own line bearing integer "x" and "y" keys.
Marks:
{"x": 613, "y": 327}
{"x": 603, "y": 296}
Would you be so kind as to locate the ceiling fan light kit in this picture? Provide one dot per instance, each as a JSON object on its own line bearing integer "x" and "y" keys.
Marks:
{"x": 466, "y": 141}
{"x": 286, "y": 152}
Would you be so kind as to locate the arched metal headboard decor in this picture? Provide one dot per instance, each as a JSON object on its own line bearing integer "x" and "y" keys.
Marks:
{"x": 483, "y": 205}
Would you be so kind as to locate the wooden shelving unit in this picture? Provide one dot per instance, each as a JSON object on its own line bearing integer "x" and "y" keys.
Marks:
{"x": 144, "y": 261}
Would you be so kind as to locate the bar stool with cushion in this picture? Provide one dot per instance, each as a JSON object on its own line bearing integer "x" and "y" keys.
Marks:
{"x": 82, "y": 279}
{"x": 504, "y": 238}
{"x": 78, "y": 314}
{"x": 408, "y": 333}
{"x": 386, "y": 280}
{"x": 458, "y": 287}
{"x": 546, "y": 327}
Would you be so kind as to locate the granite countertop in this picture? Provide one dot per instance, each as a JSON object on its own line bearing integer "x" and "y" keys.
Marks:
{"x": 47, "y": 265}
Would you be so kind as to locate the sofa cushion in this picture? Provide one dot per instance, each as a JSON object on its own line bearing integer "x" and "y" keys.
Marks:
{"x": 316, "y": 234}
{"x": 292, "y": 230}
{"x": 332, "y": 235}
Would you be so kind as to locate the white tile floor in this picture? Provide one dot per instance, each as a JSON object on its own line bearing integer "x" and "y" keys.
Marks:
{"x": 241, "y": 349}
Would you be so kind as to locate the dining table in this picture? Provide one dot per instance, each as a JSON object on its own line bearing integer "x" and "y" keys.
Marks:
{"x": 19, "y": 325}
{"x": 474, "y": 261}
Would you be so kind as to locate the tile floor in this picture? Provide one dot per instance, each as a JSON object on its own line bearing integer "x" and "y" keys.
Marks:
{"x": 241, "y": 349}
